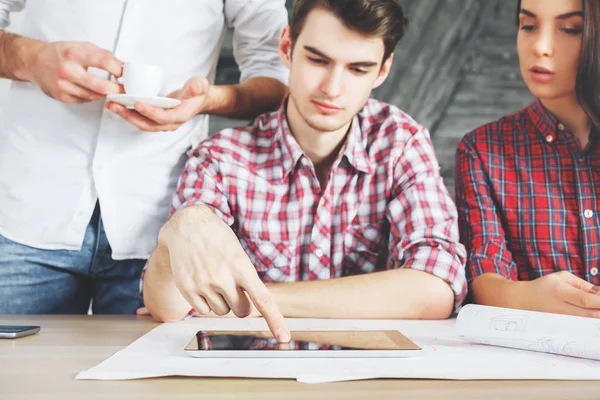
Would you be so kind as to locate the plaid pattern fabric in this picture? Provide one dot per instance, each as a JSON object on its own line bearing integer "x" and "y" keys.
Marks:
{"x": 528, "y": 198}
{"x": 385, "y": 205}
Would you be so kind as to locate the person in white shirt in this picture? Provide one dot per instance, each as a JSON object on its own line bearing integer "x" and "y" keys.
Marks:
{"x": 85, "y": 183}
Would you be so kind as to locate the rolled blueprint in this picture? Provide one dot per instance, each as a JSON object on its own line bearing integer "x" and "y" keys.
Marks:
{"x": 530, "y": 330}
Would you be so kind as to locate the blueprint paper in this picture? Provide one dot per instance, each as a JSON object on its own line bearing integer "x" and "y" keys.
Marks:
{"x": 446, "y": 356}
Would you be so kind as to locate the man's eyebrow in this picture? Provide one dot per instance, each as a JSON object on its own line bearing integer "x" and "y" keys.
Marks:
{"x": 317, "y": 52}
{"x": 363, "y": 64}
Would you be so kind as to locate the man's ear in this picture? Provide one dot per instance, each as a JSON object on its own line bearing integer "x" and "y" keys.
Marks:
{"x": 384, "y": 71}
{"x": 285, "y": 47}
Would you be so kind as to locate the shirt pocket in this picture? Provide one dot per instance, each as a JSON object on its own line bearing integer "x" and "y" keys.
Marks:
{"x": 365, "y": 249}
{"x": 274, "y": 260}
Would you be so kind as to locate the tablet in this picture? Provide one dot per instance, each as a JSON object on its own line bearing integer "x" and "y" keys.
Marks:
{"x": 313, "y": 344}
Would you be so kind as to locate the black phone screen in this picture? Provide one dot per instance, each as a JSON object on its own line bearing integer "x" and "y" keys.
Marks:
{"x": 16, "y": 328}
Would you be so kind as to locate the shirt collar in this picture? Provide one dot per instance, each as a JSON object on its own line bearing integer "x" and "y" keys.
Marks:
{"x": 354, "y": 149}
{"x": 548, "y": 127}
{"x": 291, "y": 152}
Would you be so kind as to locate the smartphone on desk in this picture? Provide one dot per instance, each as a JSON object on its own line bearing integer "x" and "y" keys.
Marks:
{"x": 17, "y": 331}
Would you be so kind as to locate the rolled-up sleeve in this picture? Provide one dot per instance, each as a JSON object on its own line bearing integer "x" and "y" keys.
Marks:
{"x": 423, "y": 218}
{"x": 6, "y": 7}
{"x": 257, "y": 28}
{"x": 480, "y": 226}
{"x": 201, "y": 183}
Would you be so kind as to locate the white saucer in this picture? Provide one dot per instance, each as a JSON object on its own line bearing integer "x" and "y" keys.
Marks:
{"x": 129, "y": 100}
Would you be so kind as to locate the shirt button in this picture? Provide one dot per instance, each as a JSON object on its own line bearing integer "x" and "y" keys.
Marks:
{"x": 549, "y": 138}
{"x": 594, "y": 271}
{"x": 561, "y": 127}
{"x": 588, "y": 214}
{"x": 319, "y": 253}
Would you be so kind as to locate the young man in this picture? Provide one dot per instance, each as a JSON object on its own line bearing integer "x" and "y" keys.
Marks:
{"x": 335, "y": 202}
{"x": 84, "y": 190}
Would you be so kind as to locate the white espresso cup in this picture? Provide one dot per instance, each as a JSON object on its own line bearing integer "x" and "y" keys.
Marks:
{"x": 142, "y": 79}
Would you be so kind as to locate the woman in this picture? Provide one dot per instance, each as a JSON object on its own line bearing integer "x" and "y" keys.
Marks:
{"x": 528, "y": 185}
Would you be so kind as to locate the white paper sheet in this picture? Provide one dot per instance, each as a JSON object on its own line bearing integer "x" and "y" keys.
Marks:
{"x": 528, "y": 330}
{"x": 446, "y": 356}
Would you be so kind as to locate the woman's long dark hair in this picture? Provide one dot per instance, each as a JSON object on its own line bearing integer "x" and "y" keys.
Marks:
{"x": 588, "y": 74}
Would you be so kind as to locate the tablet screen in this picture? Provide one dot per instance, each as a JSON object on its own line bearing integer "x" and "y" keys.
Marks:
{"x": 301, "y": 340}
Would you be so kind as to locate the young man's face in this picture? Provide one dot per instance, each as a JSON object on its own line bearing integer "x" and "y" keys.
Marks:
{"x": 332, "y": 71}
{"x": 549, "y": 44}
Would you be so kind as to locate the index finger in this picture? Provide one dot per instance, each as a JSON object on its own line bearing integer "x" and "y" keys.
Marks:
{"x": 265, "y": 304}
{"x": 580, "y": 283}
{"x": 581, "y": 298}
{"x": 159, "y": 115}
{"x": 99, "y": 58}
{"x": 87, "y": 80}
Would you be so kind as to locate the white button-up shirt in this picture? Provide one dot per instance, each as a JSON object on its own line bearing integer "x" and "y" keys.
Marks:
{"x": 57, "y": 160}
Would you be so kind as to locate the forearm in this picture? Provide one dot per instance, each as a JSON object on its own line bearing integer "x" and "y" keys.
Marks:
{"x": 16, "y": 56}
{"x": 246, "y": 100}
{"x": 161, "y": 296}
{"x": 396, "y": 294}
{"x": 495, "y": 290}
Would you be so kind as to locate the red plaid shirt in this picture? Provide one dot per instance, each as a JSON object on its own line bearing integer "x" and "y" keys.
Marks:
{"x": 385, "y": 205}
{"x": 528, "y": 198}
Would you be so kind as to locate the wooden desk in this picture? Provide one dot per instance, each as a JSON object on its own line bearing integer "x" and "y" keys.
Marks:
{"x": 44, "y": 367}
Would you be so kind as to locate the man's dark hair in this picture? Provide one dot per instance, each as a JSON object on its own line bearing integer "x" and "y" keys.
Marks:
{"x": 380, "y": 18}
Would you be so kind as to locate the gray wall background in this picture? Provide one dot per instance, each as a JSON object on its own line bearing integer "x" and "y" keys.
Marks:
{"x": 455, "y": 70}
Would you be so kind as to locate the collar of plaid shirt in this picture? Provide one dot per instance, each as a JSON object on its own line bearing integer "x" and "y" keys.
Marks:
{"x": 549, "y": 128}
{"x": 354, "y": 148}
